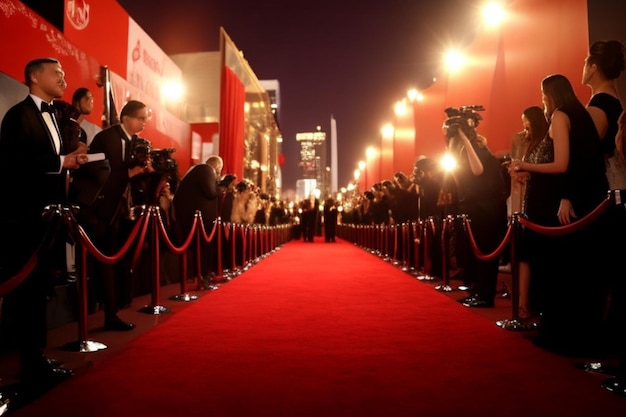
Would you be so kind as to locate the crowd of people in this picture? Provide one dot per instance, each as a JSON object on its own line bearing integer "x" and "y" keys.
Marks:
{"x": 108, "y": 177}
{"x": 558, "y": 172}
{"x": 560, "y": 169}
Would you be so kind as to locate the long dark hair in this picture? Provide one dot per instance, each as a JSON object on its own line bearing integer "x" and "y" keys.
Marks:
{"x": 538, "y": 127}
{"x": 558, "y": 88}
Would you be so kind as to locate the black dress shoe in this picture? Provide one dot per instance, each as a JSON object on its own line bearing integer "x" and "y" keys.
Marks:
{"x": 53, "y": 363}
{"x": 476, "y": 303}
{"x": 466, "y": 299}
{"x": 118, "y": 325}
{"x": 615, "y": 385}
{"x": 597, "y": 367}
{"x": 44, "y": 376}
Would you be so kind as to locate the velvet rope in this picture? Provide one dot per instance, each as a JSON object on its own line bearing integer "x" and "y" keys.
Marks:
{"x": 13, "y": 282}
{"x": 91, "y": 248}
{"x": 207, "y": 238}
{"x": 49, "y": 213}
{"x": 477, "y": 252}
{"x": 142, "y": 237}
{"x": 172, "y": 248}
{"x": 569, "y": 228}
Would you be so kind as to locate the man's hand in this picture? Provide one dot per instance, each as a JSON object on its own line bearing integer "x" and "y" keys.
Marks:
{"x": 77, "y": 158}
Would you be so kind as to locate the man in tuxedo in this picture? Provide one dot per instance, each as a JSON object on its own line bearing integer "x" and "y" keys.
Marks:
{"x": 199, "y": 190}
{"x": 310, "y": 211}
{"x": 107, "y": 221}
{"x": 330, "y": 219}
{"x": 34, "y": 164}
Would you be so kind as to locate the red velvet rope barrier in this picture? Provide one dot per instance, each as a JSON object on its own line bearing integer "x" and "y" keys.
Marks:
{"x": 142, "y": 237}
{"x": 549, "y": 231}
{"x": 86, "y": 242}
{"x": 172, "y": 248}
{"x": 570, "y": 228}
{"x": 207, "y": 238}
{"x": 13, "y": 282}
{"x": 475, "y": 248}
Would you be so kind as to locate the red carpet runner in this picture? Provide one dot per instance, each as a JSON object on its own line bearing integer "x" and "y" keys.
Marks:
{"x": 327, "y": 330}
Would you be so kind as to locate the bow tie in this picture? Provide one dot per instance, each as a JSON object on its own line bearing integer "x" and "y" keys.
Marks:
{"x": 45, "y": 107}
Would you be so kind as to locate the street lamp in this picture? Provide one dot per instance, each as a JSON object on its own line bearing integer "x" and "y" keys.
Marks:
{"x": 357, "y": 175}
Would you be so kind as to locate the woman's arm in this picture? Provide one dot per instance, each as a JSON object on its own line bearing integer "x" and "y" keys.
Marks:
{"x": 474, "y": 161}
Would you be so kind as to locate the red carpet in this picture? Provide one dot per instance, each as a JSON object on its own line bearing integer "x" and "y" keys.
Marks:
{"x": 329, "y": 330}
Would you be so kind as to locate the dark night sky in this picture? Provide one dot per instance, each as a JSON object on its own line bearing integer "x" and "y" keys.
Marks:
{"x": 347, "y": 58}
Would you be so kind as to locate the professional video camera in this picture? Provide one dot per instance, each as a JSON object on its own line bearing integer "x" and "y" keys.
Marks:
{"x": 162, "y": 160}
{"x": 226, "y": 180}
{"x": 465, "y": 118}
{"x": 138, "y": 152}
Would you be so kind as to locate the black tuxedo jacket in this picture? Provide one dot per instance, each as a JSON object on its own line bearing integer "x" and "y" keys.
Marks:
{"x": 31, "y": 170}
{"x": 197, "y": 190}
{"x": 108, "y": 203}
{"x": 29, "y": 164}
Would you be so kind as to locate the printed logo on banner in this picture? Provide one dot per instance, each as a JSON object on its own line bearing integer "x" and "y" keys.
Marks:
{"x": 77, "y": 12}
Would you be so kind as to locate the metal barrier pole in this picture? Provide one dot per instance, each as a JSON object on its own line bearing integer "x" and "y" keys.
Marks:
{"x": 515, "y": 323}
{"x": 83, "y": 344}
{"x": 155, "y": 307}
{"x": 445, "y": 253}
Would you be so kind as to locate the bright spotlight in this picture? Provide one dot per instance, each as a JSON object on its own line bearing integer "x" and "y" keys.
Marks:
{"x": 493, "y": 13}
{"x": 415, "y": 95}
{"x": 173, "y": 90}
{"x": 387, "y": 130}
{"x": 454, "y": 60}
{"x": 400, "y": 108}
{"x": 371, "y": 152}
{"x": 448, "y": 163}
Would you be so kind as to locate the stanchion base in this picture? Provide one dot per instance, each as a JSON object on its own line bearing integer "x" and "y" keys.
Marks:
{"x": 426, "y": 277}
{"x": 184, "y": 297}
{"x": 517, "y": 324}
{"x": 155, "y": 310}
{"x": 445, "y": 288}
{"x": 4, "y": 404}
{"x": 85, "y": 346}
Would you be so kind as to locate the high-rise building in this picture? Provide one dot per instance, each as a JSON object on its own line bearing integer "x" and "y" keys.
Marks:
{"x": 313, "y": 164}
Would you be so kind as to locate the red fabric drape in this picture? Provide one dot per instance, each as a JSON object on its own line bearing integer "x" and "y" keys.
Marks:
{"x": 231, "y": 129}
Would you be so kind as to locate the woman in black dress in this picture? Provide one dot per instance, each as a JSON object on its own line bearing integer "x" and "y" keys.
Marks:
{"x": 565, "y": 187}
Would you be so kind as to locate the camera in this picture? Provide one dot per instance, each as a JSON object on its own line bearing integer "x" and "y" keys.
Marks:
{"x": 226, "y": 180}
{"x": 464, "y": 118}
{"x": 138, "y": 152}
{"x": 162, "y": 160}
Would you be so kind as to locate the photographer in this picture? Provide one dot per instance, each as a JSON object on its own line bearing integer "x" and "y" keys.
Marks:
{"x": 427, "y": 179}
{"x": 107, "y": 221}
{"x": 199, "y": 190}
{"x": 480, "y": 194}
